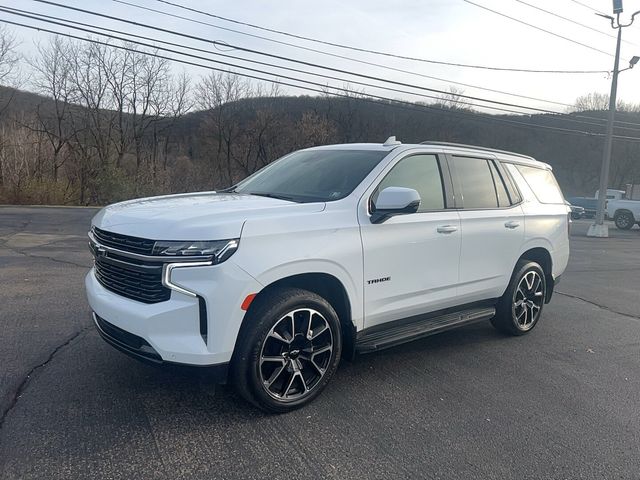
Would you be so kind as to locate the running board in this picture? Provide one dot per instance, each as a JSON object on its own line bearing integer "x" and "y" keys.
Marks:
{"x": 390, "y": 334}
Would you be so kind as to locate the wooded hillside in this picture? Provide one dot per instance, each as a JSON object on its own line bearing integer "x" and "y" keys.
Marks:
{"x": 107, "y": 125}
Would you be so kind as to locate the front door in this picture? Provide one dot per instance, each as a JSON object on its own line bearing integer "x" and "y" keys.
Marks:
{"x": 411, "y": 260}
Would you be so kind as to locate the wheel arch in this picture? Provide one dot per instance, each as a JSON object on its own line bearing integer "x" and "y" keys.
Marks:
{"x": 542, "y": 256}
{"x": 328, "y": 287}
{"x": 624, "y": 210}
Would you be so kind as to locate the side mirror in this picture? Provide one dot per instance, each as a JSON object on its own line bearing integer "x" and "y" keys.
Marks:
{"x": 395, "y": 201}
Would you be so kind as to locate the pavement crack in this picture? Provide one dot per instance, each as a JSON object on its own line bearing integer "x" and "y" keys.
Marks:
{"x": 603, "y": 307}
{"x": 21, "y": 228}
{"x": 53, "y": 259}
{"x": 25, "y": 381}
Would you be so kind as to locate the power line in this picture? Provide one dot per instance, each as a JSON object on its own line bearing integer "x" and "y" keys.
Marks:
{"x": 452, "y": 100}
{"x": 322, "y": 52}
{"x": 586, "y": 6}
{"x": 347, "y": 92}
{"x": 361, "y": 61}
{"x": 570, "y": 20}
{"x": 309, "y": 64}
{"x": 69, "y": 23}
{"x": 549, "y": 32}
{"x": 339, "y": 45}
{"x": 340, "y": 56}
{"x": 364, "y": 62}
{"x": 215, "y": 43}
{"x": 503, "y": 69}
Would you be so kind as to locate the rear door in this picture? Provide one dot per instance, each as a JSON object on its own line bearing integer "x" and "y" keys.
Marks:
{"x": 411, "y": 261}
{"x": 492, "y": 226}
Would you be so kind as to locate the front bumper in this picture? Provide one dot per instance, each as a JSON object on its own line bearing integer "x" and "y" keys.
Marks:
{"x": 172, "y": 330}
{"x": 139, "y": 349}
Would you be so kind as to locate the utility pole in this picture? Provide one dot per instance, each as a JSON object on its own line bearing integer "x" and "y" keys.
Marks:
{"x": 599, "y": 229}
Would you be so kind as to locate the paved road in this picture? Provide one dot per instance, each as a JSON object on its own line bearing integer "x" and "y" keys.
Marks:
{"x": 560, "y": 403}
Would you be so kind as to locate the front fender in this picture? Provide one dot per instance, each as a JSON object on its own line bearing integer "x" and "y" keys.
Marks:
{"x": 352, "y": 287}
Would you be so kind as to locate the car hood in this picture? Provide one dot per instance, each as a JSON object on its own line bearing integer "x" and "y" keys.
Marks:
{"x": 194, "y": 216}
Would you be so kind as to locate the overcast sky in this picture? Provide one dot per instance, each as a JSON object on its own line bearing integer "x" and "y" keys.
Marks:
{"x": 445, "y": 30}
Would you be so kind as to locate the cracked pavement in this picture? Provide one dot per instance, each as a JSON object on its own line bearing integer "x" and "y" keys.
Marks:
{"x": 558, "y": 403}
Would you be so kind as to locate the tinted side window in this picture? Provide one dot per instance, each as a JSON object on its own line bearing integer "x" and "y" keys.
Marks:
{"x": 420, "y": 172}
{"x": 542, "y": 183}
{"x": 476, "y": 181}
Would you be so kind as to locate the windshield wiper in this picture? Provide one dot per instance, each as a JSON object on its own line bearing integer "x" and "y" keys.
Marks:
{"x": 272, "y": 195}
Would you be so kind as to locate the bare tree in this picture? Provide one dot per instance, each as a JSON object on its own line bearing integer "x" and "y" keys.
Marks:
{"x": 91, "y": 91}
{"x": 9, "y": 57}
{"x": 313, "y": 130}
{"x": 219, "y": 95}
{"x": 117, "y": 69}
{"x": 452, "y": 100}
{"x": 179, "y": 102}
{"x": 349, "y": 114}
{"x": 53, "y": 78}
{"x": 595, "y": 101}
{"x": 8, "y": 62}
{"x": 149, "y": 78}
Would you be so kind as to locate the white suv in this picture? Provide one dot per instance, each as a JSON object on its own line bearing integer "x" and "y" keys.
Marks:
{"x": 327, "y": 252}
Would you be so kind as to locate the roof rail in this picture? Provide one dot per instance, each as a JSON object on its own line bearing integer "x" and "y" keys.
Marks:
{"x": 474, "y": 147}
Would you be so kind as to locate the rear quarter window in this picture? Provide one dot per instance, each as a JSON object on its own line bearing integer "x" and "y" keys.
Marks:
{"x": 542, "y": 183}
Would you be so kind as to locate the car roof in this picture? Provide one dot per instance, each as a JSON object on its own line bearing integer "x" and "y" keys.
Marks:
{"x": 502, "y": 155}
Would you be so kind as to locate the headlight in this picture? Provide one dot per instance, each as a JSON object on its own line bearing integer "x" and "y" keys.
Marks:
{"x": 220, "y": 250}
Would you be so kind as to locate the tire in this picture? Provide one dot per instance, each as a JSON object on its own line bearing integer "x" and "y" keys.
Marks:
{"x": 280, "y": 364}
{"x": 518, "y": 311}
{"x": 624, "y": 220}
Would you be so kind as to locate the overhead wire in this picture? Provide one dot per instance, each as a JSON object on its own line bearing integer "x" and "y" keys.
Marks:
{"x": 124, "y": 2}
{"x": 570, "y": 20}
{"x": 347, "y": 93}
{"x": 364, "y": 62}
{"x": 582, "y": 4}
{"x": 69, "y": 23}
{"x": 549, "y": 71}
{"x": 544, "y": 30}
{"x": 350, "y": 47}
{"x": 310, "y": 64}
{"x": 59, "y": 21}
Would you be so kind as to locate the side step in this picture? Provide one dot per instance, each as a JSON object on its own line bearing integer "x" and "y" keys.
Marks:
{"x": 390, "y": 334}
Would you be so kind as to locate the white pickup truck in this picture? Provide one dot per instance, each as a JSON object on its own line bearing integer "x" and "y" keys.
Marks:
{"x": 625, "y": 209}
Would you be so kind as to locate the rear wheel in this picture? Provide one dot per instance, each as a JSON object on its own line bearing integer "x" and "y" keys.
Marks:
{"x": 624, "y": 220}
{"x": 288, "y": 350}
{"x": 519, "y": 309}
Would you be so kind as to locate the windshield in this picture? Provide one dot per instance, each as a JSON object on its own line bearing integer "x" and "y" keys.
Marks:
{"x": 312, "y": 175}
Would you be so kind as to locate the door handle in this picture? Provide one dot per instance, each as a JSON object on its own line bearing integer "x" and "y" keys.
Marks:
{"x": 447, "y": 229}
{"x": 512, "y": 224}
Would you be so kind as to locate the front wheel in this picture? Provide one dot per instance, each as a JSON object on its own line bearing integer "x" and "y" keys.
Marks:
{"x": 519, "y": 309}
{"x": 287, "y": 351}
{"x": 624, "y": 220}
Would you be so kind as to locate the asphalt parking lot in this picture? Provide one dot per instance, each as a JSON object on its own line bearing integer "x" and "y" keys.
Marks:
{"x": 560, "y": 403}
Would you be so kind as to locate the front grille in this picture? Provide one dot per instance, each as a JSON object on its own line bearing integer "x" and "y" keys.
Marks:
{"x": 141, "y": 282}
{"x": 126, "y": 243}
